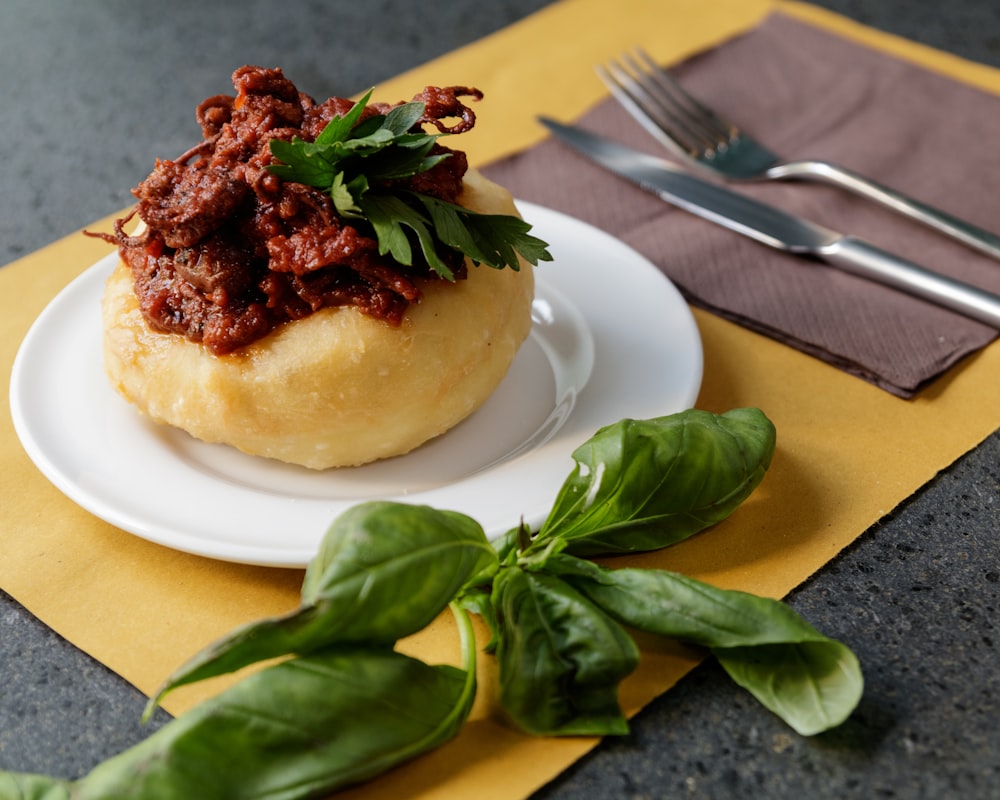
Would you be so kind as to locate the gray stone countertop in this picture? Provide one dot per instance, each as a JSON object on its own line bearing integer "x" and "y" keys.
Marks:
{"x": 916, "y": 597}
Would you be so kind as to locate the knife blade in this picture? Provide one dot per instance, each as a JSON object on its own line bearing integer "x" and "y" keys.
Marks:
{"x": 777, "y": 228}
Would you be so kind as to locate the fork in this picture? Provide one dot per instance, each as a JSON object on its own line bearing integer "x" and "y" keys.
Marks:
{"x": 698, "y": 135}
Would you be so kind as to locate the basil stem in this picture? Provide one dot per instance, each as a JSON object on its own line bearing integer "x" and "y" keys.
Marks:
{"x": 810, "y": 681}
{"x": 560, "y": 657}
{"x": 384, "y": 571}
{"x": 646, "y": 484}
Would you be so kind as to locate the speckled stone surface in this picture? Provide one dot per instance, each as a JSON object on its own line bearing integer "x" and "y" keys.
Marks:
{"x": 916, "y": 597}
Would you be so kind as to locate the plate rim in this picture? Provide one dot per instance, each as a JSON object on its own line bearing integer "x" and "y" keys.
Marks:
{"x": 275, "y": 555}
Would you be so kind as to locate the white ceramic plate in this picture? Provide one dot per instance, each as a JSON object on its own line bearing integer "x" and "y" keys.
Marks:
{"x": 612, "y": 339}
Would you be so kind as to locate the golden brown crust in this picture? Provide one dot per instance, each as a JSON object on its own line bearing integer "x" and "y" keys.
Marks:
{"x": 337, "y": 388}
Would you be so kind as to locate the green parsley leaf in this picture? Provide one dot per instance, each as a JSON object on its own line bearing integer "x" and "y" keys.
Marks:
{"x": 402, "y": 161}
{"x": 402, "y": 118}
{"x": 302, "y": 163}
{"x": 388, "y": 214}
{"x": 490, "y": 239}
{"x": 340, "y": 128}
{"x": 357, "y": 162}
{"x": 344, "y": 195}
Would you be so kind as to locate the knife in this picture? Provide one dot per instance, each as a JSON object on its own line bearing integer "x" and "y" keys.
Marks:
{"x": 777, "y": 228}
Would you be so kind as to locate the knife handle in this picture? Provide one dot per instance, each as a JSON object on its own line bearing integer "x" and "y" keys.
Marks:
{"x": 958, "y": 229}
{"x": 867, "y": 261}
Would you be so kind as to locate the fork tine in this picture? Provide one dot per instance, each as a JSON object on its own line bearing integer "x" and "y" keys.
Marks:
{"x": 672, "y": 103}
{"x": 716, "y": 127}
{"x": 654, "y": 116}
{"x": 664, "y": 108}
{"x": 672, "y": 133}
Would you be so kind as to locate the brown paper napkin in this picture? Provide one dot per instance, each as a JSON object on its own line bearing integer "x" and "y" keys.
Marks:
{"x": 808, "y": 93}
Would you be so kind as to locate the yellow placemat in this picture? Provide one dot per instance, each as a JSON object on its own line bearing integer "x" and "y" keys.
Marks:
{"x": 847, "y": 454}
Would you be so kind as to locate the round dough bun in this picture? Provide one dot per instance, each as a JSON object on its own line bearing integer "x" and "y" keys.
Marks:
{"x": 336, "y": 388}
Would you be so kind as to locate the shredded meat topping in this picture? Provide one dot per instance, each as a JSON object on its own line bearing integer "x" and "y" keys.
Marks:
{"x": 230, "y": 251}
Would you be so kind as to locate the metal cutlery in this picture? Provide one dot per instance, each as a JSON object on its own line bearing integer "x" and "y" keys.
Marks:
{"x": 777, "y": 228}
{"x": 699, "y": 136}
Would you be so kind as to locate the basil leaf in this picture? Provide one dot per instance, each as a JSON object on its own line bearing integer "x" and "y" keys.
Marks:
{"x": 809, "y": 680}
{"x": 419, "y": 551}
{"x": 560, "y": 657}
{"x": 646, "y": 484}
{"x": 384, "y": 571}
{"x": 813, "y": 685}
{"x": 299, "y": 729}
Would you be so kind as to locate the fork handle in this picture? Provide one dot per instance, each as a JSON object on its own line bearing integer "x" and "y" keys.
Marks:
{"x": 867, "y": 261}
{"x": 823, "y": 171}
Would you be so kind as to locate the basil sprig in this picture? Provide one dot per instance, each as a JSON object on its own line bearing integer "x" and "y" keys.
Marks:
{"x": 358, "y": 162}
{"x": 641, "y": 485}
{"x": 341, "y": 705}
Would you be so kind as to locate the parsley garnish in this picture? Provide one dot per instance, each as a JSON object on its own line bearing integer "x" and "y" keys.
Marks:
{"x": 356, "y": 163}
